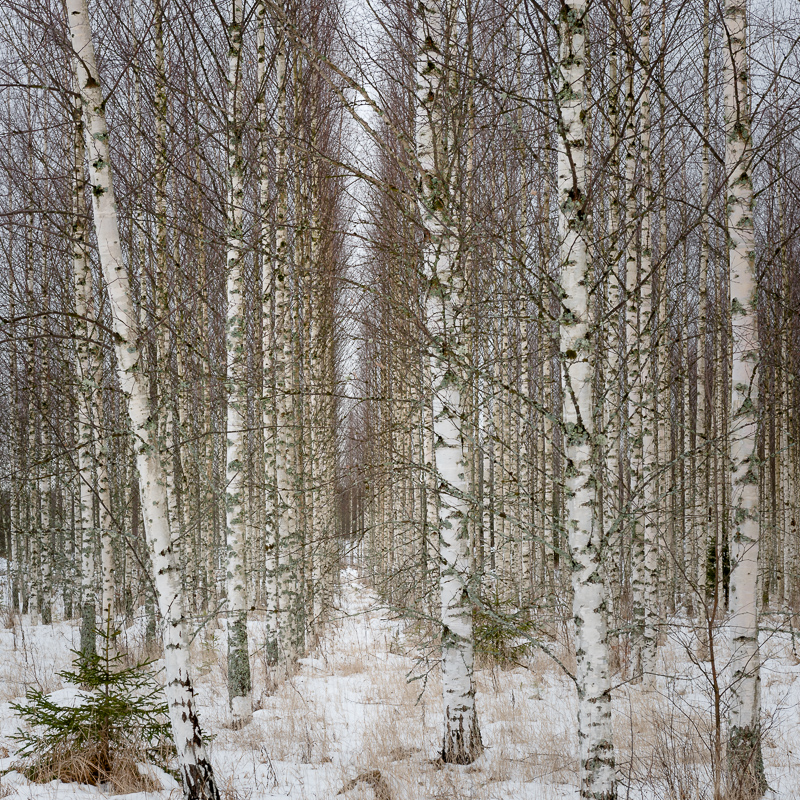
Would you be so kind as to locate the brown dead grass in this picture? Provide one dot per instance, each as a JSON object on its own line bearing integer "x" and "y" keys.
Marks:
{"x": 664, "y": 743}
{"x": 120, "y": 774}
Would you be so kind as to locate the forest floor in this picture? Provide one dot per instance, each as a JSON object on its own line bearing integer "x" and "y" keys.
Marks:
{"x": 365, "y": 700}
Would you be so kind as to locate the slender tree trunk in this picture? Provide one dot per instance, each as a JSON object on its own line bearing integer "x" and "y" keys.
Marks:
{"x": 84, "y": 338}
{"x": 268, "y": 349}
{"x": 648, "y": 376}
{"x": 744, "y": 735}
{"x": 707, "y": 577}
{"x": 47, "y": 522}
{"x": 444, "y": 312}
{"x": 165, "y": 342}
{"x": 15, "y": 532}
{"x": 239, "y": 681}
{"x": 198, "y": 778}
{"x": 595, "y": 737}
{"x": 284, "y": 458}
{"x": 612, "y": 406}
{"x": 104, "y": 515}
{"x": 633, "y": 406}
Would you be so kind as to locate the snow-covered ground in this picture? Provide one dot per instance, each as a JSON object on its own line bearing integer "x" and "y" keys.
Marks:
{"x": 366, "y": 700}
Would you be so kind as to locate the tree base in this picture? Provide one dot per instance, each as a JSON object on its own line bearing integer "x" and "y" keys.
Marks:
{"x": 746, "y": 777}
{"x": 460, "y": 746}
{"x": 198, "y": 782}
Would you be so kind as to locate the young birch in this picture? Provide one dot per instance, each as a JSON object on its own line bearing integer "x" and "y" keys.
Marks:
{"x": 462, "y": 739}
{"x": 577, "y": 346}
{"x": 239, "y": 681}
{"x": 84, "y": 334}
{"x": 268, "y": 400}
{"x": 744, "y": 735}
{"x": 198, "y": 777}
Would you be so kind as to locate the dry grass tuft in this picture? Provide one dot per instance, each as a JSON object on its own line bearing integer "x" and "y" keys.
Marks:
{"x": 230, "y": 791}
{"x": 664, "y": 745}
{"x": 353, "y": 666}
{"x": 90, "y": 765}
{"x": 296, "y": 730}
{"x": 374, "y": 780}
{"x": 28, "y": 665}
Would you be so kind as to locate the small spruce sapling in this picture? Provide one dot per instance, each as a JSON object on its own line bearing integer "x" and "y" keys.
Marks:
{"x": 119, "y": 719}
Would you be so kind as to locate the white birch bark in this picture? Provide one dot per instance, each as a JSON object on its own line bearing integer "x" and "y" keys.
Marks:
{"x": 288, "y": 589}
{"x": 632, "y": 408}
{"x": 662, "y": 443}
{"x": 787, "y": 511}
{"x": 708, "y": 562}
{"x": 744, "y": 734}
{"x": 46, "y": 528}
{"x": 268, "y": 344}
{"x": 14, "y": 537}
{"x": 84, "y": 337}
{"x": 597, "y": 775}
{"x": 163, "y": 320}
{"x": 239, "y": 681}
{"x": 431, "y": 507}
{"x": 462, "y": 740}
{"x": 198, "y": 778}
{"x": 648, "y": 377}
{"x": 15, "y": 532}
{"x": 612, "y": 404}
{"x": 317, "y": 454}
{"x": 44, "y": 489}
{"x": 33, "y": 595}
{"x": 105, "y": 519}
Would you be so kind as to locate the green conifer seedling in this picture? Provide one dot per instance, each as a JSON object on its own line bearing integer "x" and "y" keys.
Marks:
{"x": 120, "y": 719}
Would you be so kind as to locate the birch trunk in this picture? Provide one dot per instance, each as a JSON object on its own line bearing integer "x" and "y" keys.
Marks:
{"x": 239, "y": 681}
{"x": 31, "y": 484}
{"x": 47, "y": 524}
{"x": 198, "y": 778}
{"x": 707, "y": 583}
{"x": 597, "y": 776}
{"x": 744, "y": 734}
{"x": 84, "y": 337}
{"x": 611, "y": 495}
{"x": 462, "y": 739}
{"x": 14, "y": 567}
{"x": 163, "y": 320}
{"x": 785, "y": 441}
{"x": 662, "y": 439}
{"x": 268, "y": 348}
{"x": 106, "y": 521}
{"x": 648, "y": 378}
{"x": 284, "y": 475}
{"x": 632, "y": 407}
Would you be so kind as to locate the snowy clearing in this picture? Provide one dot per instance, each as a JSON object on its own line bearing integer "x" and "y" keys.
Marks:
{"x": 360, "y": 702}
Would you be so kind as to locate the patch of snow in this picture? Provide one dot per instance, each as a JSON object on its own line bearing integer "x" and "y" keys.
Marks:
{"x": 164, "y": 779}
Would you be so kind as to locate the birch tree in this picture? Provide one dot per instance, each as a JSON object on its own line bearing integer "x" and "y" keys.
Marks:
{"x": 239, "y": 682}
{"x": 462, "y": 739}
{"x": 268, "y": 416}
{"x": 744, "y": 735}
{"x": 196, "y": 771}
{"x": 86, "y": 374}
{"x": 288, "y": 594}
{"x": 577, "y": 353}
